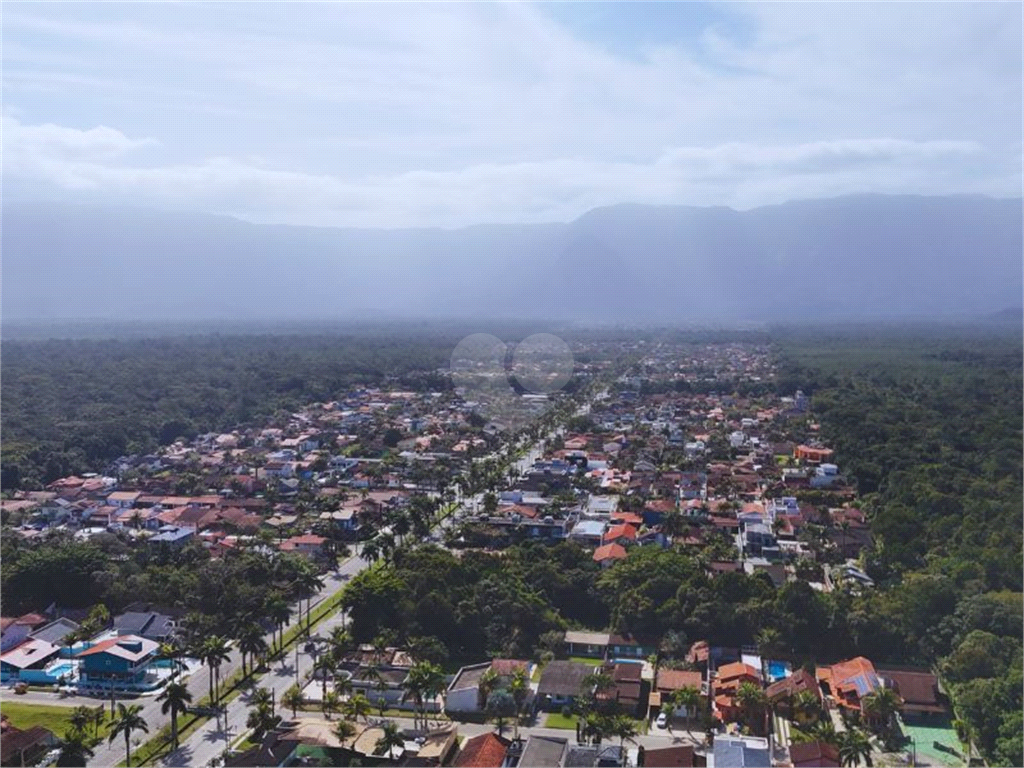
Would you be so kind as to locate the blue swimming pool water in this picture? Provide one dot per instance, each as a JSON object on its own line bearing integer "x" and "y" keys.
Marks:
{"x": 777, "y": 670}
{"x": 62, "y": 669}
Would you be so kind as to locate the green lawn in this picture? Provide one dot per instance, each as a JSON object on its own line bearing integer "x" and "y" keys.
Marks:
{"x": 56, "y": 718}
{"x": 558, "y": 720}
{"x": 925, "y": 733}
{"x": 586, "y": 660}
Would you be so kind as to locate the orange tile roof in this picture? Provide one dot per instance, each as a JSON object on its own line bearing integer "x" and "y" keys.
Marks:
{"x": 609, "y": 552}
{"x": 485, "y": 751}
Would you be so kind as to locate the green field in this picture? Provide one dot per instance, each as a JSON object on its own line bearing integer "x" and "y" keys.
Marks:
{"x": 924, "y": 737}
{"x": 557, "y": 720}
{"x": 55, "y": 718}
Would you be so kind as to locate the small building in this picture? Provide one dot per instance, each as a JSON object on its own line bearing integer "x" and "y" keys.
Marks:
{"x": 488, "y": 750}
{"x": 594, "y": 644}
{"x": 25, "y": 747}
{"x": 32, "y": 661}
{"x": 150, "y": 625}
{"x": 544, "y": 752}
{"x": 561, "y": 683}
{"x": 814, "y": 754}
{"x": 740, "y": 752}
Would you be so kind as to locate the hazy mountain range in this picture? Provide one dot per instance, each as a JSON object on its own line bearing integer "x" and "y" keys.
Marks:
{"x": 857, "y": 256}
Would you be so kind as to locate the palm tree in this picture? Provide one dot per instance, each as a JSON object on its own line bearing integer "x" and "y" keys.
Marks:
{"x": 488, "y": 680}
{"x": 330, "y": 703}
{"x": 175, "y": 698}
{"x": 345, "y": 730}
{"x": 854, "y": 748}
{"x": 251, "y": 644}
{"x": 752, "y": 700}
{"x": 624, "y": 727}
{"x": 358, "y": 706}
{"x": 391, "y": 739}
{"x": 98, "y": 716}
{"x": 127, "y": 720}
{"x": 325, "y": 666}
{"x": 340, "y": 643}
{"x": 293, "y": 699}
{"x": 215, "y": 652}
{"x": 500, "y": 705}
{"x": 688, "y": 697}
{"x": 262, "y": 697}
{"x": 519, "y": 688}
{"x": 425, "y": 680}
{"x": 80, "y": 718}
{"x": 262, "y": 720}
{"x": 307, "y": 584}
{"x": 806, "y": 706}
{"x": 881, "y": 705}
{"x": 597, "y": 683}
{"x": 280, "y": 613}
{"x": 74, "y": 749}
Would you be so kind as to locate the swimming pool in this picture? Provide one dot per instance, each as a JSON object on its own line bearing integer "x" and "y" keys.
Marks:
{"x": 777, "y": 670}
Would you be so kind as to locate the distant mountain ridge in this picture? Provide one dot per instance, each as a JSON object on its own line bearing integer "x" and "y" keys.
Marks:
{"x": 866, "y": 255}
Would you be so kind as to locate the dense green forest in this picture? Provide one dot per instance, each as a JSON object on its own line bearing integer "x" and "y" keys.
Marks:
{"x": 929, "y": 422}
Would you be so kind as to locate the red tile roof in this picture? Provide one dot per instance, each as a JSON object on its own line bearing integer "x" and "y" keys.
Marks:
{"x": 485, "y": 751}
{"x": 620, "y": 532}
{"x": 609, "y": 552}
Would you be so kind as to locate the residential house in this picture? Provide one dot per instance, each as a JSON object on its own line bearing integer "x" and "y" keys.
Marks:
{"x": 488, "y": 750}
{"x": 464, "y": 691}
{"x": 123, "y": 499}
{"x": 727, "y": 682}
{"x": 814, "y": 754}
{"x": 669, "y": 681}
{"x": 740, "y": 752}
{"x": 625, "y": 695}
{"x": 782, "y": 692}
{"x": 620, "y": 534}
{"x": 147, "y": 624}
{"x": 24, "y": 747}
{"x": 32, "y": 661}
{"x": 55, "y": 631}
{"x": 544, "y": 752}
{"x": 561, "y": 683}
{"x": 812, "y": 455}
{"x": 588, "y": 532}
{"x": 578, "y": 643}
{"x": 848, "y": 682}
{"x": 593, "y": 756}
{"x": 121, "y": 661}
{"x": 608, "y": 554}
{"x": 670, "y": 757}
{"x": 630, "y": 646}
{"x": 14, "y": 630}
{"x": 920, "y": 692}
{"x": 173, "y": 536}
{"x": 308, "y": 545}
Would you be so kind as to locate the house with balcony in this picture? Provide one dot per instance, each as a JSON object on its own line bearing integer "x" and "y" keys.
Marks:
{"x": 119, "y": 661}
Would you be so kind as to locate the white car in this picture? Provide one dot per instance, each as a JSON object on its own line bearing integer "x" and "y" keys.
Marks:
{"x": 662, "y": 720}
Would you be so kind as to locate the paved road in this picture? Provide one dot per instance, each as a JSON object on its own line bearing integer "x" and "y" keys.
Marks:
{"x": 198, "y": 682}
{"x": 214, "y": 737}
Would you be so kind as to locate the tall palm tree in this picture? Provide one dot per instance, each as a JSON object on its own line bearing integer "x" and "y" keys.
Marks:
{"x": 519, "y": 688}
{"x": 806, "y": 706}
{"x": 280, "y": 613}
{"x": 325, "y": 666}
{"x": 175, "y": 698}
{"x": 307, "y": 584}
{"x": 262, "y": 697}
{"x": 98, "y": 716}
{"x": 500, "y": 705}
{"x": 251, "y": 644}
{"x": 75, "y": 749}
{"x": 391, "y": 739}
{"x": 425, "y": 680}
{"x": 340, "y": 643}
{"x": 854, "y": 748}
{"x": 262, "y": 720}
{"x": 125, "y": 722}
{"x": 330, "y": 703}
{"x": 215, "y": 653}
{"x": 173, "y": 653}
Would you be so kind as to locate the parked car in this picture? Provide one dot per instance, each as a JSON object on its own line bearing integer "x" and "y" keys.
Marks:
{"x": 662, "y": 720}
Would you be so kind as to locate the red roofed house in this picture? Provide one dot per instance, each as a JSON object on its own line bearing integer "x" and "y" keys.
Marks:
{"x": 607, "y": 554}
{"x": 727, "y": 682}
{"x": 812, "y": 455}
{"x": 619, "y": 534}
{"x": 308, "y": 544}
{"x": 487, "y": 750}
{"x": 671, "y": 680}
{"x": 816, "y": 754}
{"x": 849, "y": 681}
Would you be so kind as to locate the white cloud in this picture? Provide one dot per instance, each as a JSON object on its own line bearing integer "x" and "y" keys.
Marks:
{"x": 731, "y": 174}
{"x": 399, "y": 114}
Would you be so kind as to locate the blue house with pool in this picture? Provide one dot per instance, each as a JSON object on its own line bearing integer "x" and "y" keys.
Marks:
{"x": 34, "y": 661}
{"x": 121, "y": 661}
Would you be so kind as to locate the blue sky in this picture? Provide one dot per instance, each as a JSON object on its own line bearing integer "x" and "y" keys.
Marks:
{"x": 449, "y": 114}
